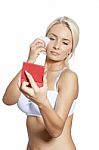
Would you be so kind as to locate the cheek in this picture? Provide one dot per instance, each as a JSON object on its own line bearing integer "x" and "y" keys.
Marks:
{"x": 68, "y": 49}
{"x": 64, "y": 54}
{"x": 49, "y": 47}
{"x": 50, "y": 44}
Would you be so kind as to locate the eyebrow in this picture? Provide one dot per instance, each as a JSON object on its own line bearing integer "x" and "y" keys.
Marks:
{"x": 57, "y": 36}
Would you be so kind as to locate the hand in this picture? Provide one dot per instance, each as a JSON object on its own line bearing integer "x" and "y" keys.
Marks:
{"x": 34, "y": 93}
{"x": 35, "y": 48}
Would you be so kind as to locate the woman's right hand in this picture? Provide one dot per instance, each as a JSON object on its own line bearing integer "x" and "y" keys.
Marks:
{"x": 36, "y": 47}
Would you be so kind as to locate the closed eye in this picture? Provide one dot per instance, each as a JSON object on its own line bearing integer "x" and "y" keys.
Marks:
{"x": 51, "y": 38}
{"x": 65, "y": 43}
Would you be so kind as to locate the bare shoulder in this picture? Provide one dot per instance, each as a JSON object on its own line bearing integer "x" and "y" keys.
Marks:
{"x": 69, "y": 74}
{"x": 69, "y": 82}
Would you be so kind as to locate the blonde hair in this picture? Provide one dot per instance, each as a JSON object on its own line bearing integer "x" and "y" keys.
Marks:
{"x": 73, "y": 27}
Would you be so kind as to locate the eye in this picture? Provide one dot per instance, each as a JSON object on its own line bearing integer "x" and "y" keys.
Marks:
{"x": 65, "y": 43}
{"x": 52, "y": 38}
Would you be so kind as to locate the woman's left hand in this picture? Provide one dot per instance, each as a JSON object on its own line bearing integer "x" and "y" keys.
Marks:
{"x": 34, "y": 93}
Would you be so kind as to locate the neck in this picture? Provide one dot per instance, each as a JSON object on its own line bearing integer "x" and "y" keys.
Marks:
{"x": 55, "y": 66}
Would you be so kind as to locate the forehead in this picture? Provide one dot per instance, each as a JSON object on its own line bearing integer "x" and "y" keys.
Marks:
{"x": 61, "y": 30}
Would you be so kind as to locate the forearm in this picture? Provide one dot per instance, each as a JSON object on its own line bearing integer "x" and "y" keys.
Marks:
{"x": 53, "y": 123}
{"x": 12, "y": 92}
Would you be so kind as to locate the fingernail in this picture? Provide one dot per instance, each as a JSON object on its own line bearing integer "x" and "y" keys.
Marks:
{"x": 26, "y": 72}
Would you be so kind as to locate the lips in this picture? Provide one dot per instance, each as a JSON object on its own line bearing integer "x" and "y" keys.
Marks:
{"x": 54, "y": 53}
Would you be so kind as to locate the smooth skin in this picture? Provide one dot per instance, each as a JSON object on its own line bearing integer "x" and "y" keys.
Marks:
{"x": 52, "y": 131}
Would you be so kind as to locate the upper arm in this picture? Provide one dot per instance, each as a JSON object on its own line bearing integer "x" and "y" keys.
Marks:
{"x": 68, "y": 91}
{"x": 12, "y": 92}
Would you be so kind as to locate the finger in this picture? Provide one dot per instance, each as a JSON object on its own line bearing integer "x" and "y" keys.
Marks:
{"x": 41, "y": 41}
{"x": 19, "y": 82}
{"x": 23, "y": 85}
{"x": 32, "y": 47}
{"x": 38, "y": 48}
{"x": 45, "y": 80}
{"x": 26, "y": 90}
{"x": 36, "y": 41}
{"x": 45, "y": 68}
{"x": 32, "y": 82}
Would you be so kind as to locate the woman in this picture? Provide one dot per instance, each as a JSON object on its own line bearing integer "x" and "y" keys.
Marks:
{"x": 49, "y": 108}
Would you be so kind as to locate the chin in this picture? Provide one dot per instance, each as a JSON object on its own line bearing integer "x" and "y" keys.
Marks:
{"x": 53, "y": 59}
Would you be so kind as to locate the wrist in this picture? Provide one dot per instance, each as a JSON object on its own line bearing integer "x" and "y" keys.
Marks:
{"x": 44, "y": 104}
{"x": 31, "y": 60}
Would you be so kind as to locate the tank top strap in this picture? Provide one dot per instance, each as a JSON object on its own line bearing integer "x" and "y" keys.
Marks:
{"x": 55, "y": 84}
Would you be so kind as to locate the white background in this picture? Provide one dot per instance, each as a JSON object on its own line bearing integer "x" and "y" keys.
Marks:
{"x": 21, "y": 21}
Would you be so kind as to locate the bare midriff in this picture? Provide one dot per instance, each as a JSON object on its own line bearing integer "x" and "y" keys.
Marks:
{"x": 39, "y": 138}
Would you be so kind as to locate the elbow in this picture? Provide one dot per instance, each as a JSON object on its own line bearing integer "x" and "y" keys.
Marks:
{"x": 56, "y": 133}
{"x": 6, "y": 101}
{"x": 57, "y": 130}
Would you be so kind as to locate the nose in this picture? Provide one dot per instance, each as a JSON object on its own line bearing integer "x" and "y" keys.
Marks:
{"x": 56, "y": 45}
